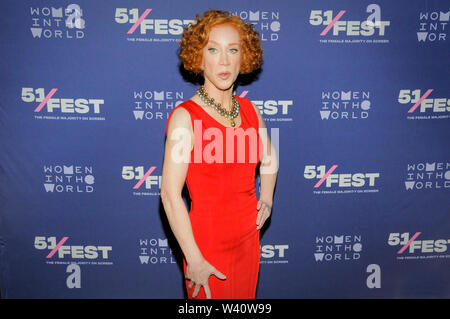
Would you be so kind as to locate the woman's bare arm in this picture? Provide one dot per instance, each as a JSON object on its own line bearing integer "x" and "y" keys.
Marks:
{"x": 269, "y": 163}
{"x": 268, "y": 171}
{"x": 179, "y": 143}
{"x": 179, "y": 139}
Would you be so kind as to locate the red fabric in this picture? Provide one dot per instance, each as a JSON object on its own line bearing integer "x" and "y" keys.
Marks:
{"x": 223, "y": 208}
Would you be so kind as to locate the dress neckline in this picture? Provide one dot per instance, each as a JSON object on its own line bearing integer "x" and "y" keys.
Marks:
{"x": 209, "y": 115}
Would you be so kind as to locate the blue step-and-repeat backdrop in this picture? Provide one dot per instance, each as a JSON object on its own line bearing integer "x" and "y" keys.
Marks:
{"x": 355, "y": 95}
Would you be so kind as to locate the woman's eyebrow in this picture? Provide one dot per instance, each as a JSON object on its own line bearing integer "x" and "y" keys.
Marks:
{"x": 230, "y": 44}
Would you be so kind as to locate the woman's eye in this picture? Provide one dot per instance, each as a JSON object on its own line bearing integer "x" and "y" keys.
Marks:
{"x": 212, "y": 50}
{"x": 234, "y": 50}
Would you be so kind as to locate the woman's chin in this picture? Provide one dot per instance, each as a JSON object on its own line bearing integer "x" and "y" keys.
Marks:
{"x": 223, "y": 85}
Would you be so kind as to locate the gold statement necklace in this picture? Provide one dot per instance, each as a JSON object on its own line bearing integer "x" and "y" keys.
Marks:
{"x": 230, "y": 115}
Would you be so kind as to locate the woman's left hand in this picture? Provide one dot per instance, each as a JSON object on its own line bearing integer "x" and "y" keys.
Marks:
{"x": 264, "y": 211}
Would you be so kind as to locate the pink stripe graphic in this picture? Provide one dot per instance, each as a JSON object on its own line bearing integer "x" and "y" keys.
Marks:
{"x": 49, "y": 95}
{"x": 325, "y": 176}
{"x": 138, "y": 22}
{"x": 415, "y": 106}
{"x": 62, "y": 241}
{"x": 336, "y": 18}
{"x": 409, "y": 242}
{"x": 243, "y": 94}
{"x": 151, "y": 169}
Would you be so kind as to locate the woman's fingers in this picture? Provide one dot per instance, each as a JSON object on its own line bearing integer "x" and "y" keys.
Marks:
{"x": 258, "y": 207}
{"x": 196, "y": 290}
{"x": 260, "y": 221}
{"x": 218, "y": 274}
{"x": 263, "y": 214}
{"x": 207, "y": 291}
{"x": 259, "y": 217}
{"x": 202, "y": 278}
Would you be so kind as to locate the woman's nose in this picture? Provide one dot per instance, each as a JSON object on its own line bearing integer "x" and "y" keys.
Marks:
{"x": 224, "y": 59}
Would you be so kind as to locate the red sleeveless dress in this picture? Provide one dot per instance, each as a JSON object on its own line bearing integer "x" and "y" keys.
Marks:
{"x": 223, "y": 199}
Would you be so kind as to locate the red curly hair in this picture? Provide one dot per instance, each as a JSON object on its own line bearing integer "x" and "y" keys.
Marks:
{"x": 196, "y": 36}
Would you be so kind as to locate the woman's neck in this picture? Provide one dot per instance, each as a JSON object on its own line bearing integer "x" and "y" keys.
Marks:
{"x": 220, "y": 96}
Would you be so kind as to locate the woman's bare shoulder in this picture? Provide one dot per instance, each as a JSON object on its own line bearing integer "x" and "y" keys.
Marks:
{"x": 180, "y": 117}
{"x": 258, "y": 114}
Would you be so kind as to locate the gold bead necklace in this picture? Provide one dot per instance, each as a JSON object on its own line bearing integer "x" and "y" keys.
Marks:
{"x": 230, "y": 115}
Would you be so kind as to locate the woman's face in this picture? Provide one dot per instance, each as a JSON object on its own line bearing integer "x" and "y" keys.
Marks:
{"x": 221, "y": 57}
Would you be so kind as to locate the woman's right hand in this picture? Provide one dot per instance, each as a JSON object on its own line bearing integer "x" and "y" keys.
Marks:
{"x": 198, "y": 273}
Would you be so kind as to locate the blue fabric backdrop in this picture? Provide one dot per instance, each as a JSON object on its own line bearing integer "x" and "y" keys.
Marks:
{"x": 354, "y": 94}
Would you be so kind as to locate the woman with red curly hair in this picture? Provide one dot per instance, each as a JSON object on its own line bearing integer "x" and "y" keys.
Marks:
{"x": 220, "y": 235}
